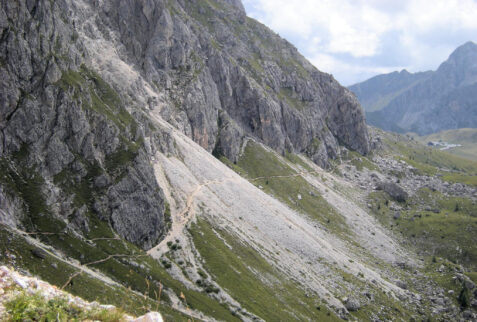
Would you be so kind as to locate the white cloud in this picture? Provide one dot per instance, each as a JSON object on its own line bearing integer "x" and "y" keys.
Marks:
{"x": 363, "y": 35}
{"x": 347, "y": 71}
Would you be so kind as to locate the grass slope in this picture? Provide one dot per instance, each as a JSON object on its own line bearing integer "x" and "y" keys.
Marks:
{"x": 435, "y": 224}
{"x": 17, "y": 252}
{"x": 466, "y": 137}
{"x": 429, "y": 161}
{"x": 296, "y": 192}
{"x": 252, "y": 281}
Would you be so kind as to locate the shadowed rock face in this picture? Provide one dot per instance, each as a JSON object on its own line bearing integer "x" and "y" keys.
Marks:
{"x": 213, "y": 73}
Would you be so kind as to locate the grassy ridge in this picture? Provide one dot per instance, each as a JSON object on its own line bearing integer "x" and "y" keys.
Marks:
{"x": 57, "y": 272}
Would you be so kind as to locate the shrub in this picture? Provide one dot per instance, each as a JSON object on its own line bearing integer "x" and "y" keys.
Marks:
{"x": 464, "y": 297}
{"x": 202, "y": 274}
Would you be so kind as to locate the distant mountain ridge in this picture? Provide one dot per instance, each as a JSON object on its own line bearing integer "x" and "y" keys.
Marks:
{"x": 426, "y": 102}
{"x": 377, "y": 92}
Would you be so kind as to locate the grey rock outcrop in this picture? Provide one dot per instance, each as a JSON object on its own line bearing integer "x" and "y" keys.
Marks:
{"x": 237, "y": 4}
{"x": 352, "y": 305}
{"x": 394, "y": 190}
{"x": 65, "y": 132}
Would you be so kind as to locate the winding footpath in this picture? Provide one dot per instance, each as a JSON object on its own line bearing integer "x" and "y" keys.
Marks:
{"x": 181, "y": 220}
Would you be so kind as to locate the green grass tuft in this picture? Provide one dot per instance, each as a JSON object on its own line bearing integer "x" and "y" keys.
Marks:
{"x": 35, "y": 307}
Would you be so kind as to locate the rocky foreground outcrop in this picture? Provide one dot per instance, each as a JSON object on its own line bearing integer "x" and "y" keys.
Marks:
{"x": 13, "y": 283}
{"x": 79, "y": 79}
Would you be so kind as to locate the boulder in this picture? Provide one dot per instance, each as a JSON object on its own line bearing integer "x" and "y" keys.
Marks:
{"x": 394, "y": 190}
{"x": 149, "y": 317}
{"x": 401, "y": 284}
{"x": 39, "y": 253}
{"x": 352, "y": 304}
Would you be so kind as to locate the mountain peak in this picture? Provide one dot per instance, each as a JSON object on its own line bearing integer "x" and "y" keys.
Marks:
{"x": 462, "y": 63}
{"x": 237, "y": 4}
{"x": 469, "y": 49}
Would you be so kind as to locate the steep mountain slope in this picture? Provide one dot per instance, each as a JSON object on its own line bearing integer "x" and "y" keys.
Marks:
{"x": 170, "y": 155}
{"x": 440, "y": 100}
{"x": 199, "y": 64}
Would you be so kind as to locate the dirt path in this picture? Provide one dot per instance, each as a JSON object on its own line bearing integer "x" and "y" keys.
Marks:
{"x": 181, "y": 220}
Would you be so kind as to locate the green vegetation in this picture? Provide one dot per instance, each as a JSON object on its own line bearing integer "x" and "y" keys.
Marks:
{"x": 438, "y": 225}
{"x": 429, "y": 161}
{"x": 128, "y": 266}
{"x": 441, "y": 272}
{"x": 119, "y": 159}
{"x": 295, "y": 159}
{"x": 472, "y": 276}
{"x": 203, "y": 12}
{"x": 27, "y": 184}
{"x": 314, "y": 146}
{"x": 35, "y": 307}
{"x": 465, "y": 137}
{"x": 293, "y": 190}
{"x": 287, "y": 94}
{"x": 461, "y": 178}
{"x": 359, "y": 161}
{"x": 58, "y": 272}
{"x": 82, "y": 190}
{"x": 464, "y": 297}
{"x": 252, "y": 281}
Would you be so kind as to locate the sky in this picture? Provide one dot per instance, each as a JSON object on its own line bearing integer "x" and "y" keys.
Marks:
{"x": 357, "y": 39}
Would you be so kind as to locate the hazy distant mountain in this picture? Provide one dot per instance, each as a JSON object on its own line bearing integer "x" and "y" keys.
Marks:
{"x": 425, "y": 102}
{"x": 377, "y": 92}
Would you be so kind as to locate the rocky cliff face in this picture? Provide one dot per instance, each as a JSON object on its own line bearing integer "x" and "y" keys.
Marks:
{"x": 69, "y": 146}
{"x": 80, "y": 77}
{"x": 224, "y": 76}
{"x": 440, "y": 100}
